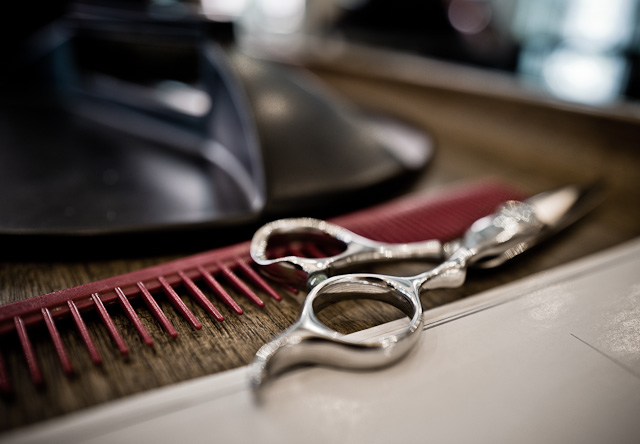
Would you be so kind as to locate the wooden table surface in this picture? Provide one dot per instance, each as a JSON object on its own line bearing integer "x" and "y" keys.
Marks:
{"x": 480, "y": 133}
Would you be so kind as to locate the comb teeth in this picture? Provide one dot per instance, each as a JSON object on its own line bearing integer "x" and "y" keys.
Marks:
{"x": 61, "y": 351}
{"x": 179, "y": 304}
{"x": 111, "y": 327}
{"x": 156, "y": 310}
{"x": 27, "y": 348}
{"x": 209, "y": 268}
{"x": 5, "y": 384}
{"x": 417, "y": 217}
{"x": 84, "y": 333}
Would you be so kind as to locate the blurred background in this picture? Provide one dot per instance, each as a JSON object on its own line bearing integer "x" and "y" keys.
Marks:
{"x": 584, "y": 51}
{"x": 125, "y": 77}
{"x": 578, "y": 50}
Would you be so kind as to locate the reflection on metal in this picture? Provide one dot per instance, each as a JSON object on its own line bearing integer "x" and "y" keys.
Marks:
{"x": 488, "y": 242}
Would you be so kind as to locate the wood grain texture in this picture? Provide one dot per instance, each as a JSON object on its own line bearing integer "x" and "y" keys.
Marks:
{"x": 533, "y": 145}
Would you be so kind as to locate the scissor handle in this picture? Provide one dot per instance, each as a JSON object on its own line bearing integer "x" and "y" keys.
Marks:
{"x": 309, "y": 341}
{"x": 358, "y": 249}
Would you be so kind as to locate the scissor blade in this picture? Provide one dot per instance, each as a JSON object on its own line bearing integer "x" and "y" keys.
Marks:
{"x": 555, "y": 210}
{"x": 561, "y": 207}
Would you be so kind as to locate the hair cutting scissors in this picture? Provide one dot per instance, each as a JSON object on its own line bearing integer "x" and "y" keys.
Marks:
{"x": 488, "y": 242}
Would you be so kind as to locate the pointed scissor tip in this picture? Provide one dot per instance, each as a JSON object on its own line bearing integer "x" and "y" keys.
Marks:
{"x": 563, "y": 206}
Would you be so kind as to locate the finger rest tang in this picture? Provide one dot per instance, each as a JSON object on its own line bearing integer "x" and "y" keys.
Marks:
{"x": 295, "y": 348}
{"x": 309, "y": 341}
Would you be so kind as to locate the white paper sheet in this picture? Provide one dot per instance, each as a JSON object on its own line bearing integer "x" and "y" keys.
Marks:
{"x": 553, "y": 358}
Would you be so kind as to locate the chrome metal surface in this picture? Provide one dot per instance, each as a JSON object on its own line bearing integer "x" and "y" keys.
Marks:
{"x": 489, "y": 242}
{"x": 359, "y": 250}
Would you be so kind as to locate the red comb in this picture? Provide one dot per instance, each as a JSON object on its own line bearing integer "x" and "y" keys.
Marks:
{"x": 443, "y": 215}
